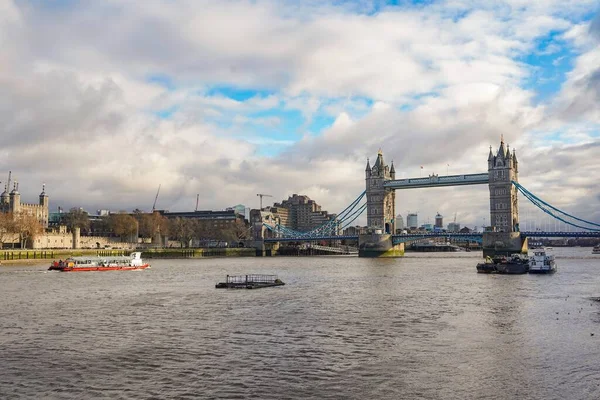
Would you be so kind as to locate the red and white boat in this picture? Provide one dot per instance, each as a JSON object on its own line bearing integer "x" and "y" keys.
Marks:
{"x": 98, "y": 263}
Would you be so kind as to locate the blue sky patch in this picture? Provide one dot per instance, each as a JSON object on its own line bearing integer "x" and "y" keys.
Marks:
{"x": 550, "y": 62}
{"x": 236, "y": 93}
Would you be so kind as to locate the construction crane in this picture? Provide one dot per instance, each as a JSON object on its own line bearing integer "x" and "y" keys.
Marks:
{"x": 261, "y": 195}
{"x": 156, "y": 198}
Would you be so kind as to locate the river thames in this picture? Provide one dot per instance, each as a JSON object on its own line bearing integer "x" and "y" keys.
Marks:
{"x": 426, "y": 326}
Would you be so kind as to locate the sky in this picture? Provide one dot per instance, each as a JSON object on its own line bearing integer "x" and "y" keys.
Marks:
{"x": 103, "y": 101}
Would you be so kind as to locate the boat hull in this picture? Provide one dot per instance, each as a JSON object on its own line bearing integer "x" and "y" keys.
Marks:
{"x": 225, "y": 285}
{"x": 512, "y": 268}
{"x": 486, "y": 268}
{"x": 94, "y": 268}
{"x": 550, "y": 270}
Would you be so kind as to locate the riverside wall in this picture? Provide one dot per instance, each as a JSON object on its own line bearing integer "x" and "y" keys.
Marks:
{"x": 19, "y": 256}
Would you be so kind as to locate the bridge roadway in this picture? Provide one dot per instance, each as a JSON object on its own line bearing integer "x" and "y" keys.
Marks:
{"x": 437, "y": 181}
{"x": 415, "y": 236}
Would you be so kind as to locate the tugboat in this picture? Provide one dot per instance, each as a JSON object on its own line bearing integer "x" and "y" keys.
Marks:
{"x": 515, "y": 264}
{"x": 487, "y": 267}
{"x": 541, "y": 262}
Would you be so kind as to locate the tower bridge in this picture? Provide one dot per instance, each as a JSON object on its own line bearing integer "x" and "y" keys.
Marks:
{"x": 381, "y": 185}
{"x": 502, "y": 237}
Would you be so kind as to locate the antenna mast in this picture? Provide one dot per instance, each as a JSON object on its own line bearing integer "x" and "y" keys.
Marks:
{"x": 197, "y": 199}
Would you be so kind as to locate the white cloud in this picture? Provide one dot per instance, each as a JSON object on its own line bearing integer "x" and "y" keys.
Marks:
{"x": 431, "y": 85}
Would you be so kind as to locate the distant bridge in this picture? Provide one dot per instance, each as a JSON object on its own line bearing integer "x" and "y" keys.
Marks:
{"x": 474, "y": 236}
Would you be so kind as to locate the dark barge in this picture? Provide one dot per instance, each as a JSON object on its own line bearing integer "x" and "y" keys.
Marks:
{"x": 253, "y": 281}
{"x": 513, "y": 265}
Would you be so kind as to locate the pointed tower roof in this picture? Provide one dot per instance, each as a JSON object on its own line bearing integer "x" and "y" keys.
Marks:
{"x": 379, "y": 163}
{"x": 501, "y": 149}
{"x": 508, "y": 153}
{"x": 368, "y": 166}
{"x": 43, "y": 194}
{"x": 392, "y": 170}
{"x": 514, "y": 155}
{"x": 15, "y": 188}
{"x": 5, "y": 193}
{"x": 491, "y": 155}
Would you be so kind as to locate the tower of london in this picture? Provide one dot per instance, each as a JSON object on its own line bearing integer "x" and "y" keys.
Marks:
{"x": 11, "y": 203}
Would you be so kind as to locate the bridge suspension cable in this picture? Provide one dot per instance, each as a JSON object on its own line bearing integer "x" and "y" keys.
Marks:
{"x": 330, "y": 228}
{"x": 551, "y": 210}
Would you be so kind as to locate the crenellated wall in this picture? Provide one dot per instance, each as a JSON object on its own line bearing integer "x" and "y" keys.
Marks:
{"x": 64, "y": 240}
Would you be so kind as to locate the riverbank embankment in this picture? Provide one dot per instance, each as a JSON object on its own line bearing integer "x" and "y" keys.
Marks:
{"x": 20, "y": 257}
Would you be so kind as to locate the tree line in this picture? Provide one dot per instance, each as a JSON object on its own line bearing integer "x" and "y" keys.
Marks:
{"x": 149, "y": 225}
{"x": 125, "y": 226}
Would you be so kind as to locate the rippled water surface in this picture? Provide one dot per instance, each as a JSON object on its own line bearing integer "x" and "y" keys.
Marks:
{"x": 424, "y": 326}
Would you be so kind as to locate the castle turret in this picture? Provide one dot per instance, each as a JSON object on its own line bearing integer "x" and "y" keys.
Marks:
{"x": 45, "y": 207}
{"x": 15, "y": 199}
{"x": 392, "y": 172}
{"x": 4, "y": 197}
{"x": 43, "y": 196}
{"x": 368, "y": 169}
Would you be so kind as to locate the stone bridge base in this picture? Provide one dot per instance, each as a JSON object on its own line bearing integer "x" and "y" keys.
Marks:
{"x": 503, "y": 243}
{"x": 264, "y": 249}
{"x": 378, "y": 245}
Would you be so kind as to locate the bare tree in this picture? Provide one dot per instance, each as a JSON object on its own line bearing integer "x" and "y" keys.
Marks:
{"x": 235, "y": 232}
{"x": 26, "y": 226}
{"x": 151, "y": 224}
{"x": 123, "y": 225}
{"x": 7, "y": 227}
{"x": 77, "y": 218}
{"x": 182, "y": 230}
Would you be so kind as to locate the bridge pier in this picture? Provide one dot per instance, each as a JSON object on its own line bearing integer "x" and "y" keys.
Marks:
{"x": 265, "y": 249}
{"x": 503, "y": 243}
{"x": 378, "y": 245}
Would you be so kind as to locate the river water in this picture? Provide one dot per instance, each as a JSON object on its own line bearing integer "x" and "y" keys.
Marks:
{"x": 424, "y": 326}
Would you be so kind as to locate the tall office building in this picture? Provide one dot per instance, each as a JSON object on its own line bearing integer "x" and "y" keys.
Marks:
{"x": 439, "y": 221}
{"x": 399, "y": 222}
{"x": 412, "y": 221}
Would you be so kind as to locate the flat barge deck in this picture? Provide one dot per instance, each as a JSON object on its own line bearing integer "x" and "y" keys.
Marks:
{"x": 253, "y": 281}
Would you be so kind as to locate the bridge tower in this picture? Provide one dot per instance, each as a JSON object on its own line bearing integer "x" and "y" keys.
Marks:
{"x": 502, "y": 236}
{"x": 381, "y": 202}
{"x": 504, "y": 206}
{"x": 381, "y": 213}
